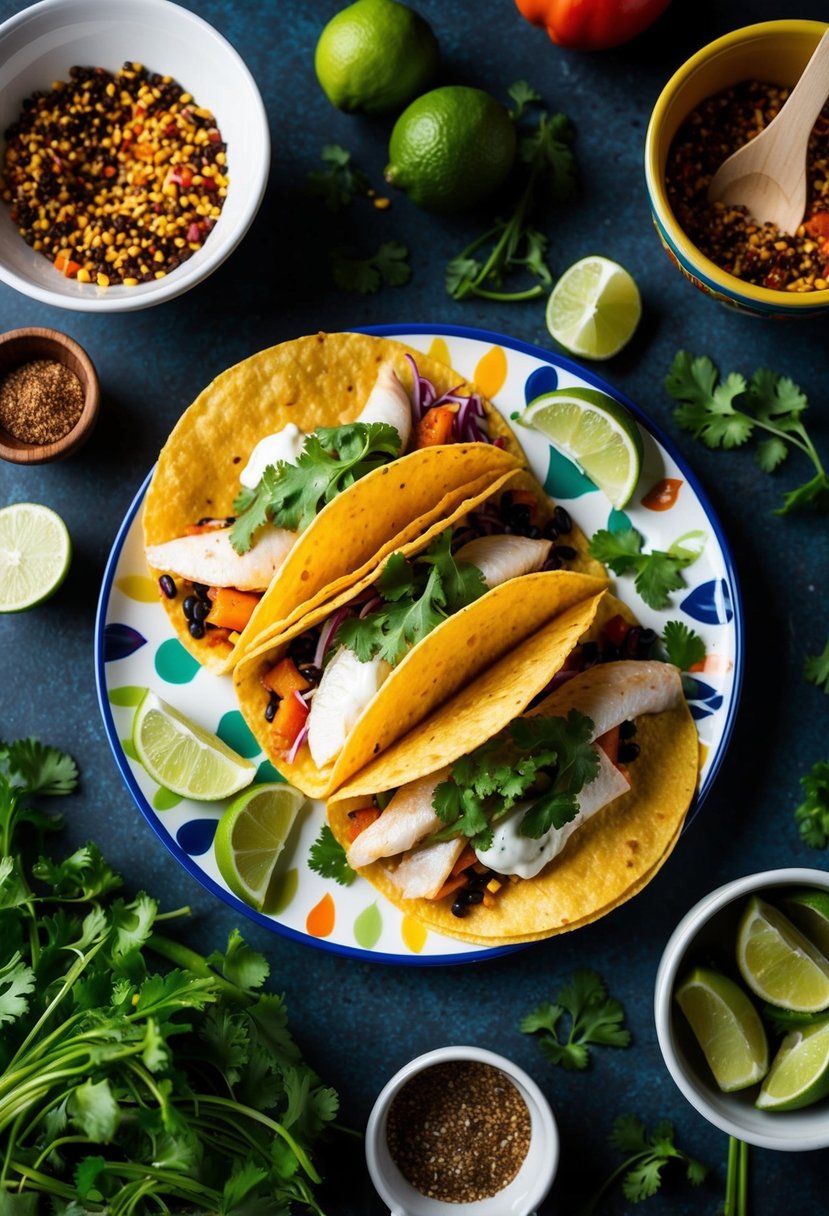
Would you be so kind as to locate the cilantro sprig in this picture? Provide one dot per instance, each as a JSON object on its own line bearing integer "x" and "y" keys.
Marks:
{"x": 389, "y": 265}
{"x": 646, "y": 1156}
{"x": 327, "y": 858}
{"x": 812, "y": 815}
{"x": 514, "y": 245}
{"x": 332, "y": 459}
{"x": 418, "y": 595}
{"x": 337, "y": 183}
{"x": 816, "y": 669}
{"x": 546, "y": 758}
{"x": 724, "y": 413}
{"x": 683, "y": 645}
{"x": 586, "y": 1014}
{"x": 658, "y": 573}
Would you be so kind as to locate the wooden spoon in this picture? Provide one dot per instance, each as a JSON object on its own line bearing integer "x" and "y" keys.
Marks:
{"x": 767, "y": 175}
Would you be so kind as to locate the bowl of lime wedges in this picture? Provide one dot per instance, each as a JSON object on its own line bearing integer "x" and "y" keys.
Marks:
{"x": 742, "y": 1008}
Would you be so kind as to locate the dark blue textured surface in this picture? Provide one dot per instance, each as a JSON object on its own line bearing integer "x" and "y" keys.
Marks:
{"x": 358, "y": 1022}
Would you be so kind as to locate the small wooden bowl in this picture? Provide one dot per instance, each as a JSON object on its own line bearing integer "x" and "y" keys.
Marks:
{"x": 20, "y": 346}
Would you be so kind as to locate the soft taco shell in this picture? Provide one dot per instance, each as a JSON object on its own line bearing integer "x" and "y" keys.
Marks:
{"x": 319, "y": 380}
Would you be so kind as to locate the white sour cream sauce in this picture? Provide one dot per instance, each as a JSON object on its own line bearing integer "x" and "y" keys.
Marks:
{"x": 286, "y": 445}
{"x": 512, "y": 853}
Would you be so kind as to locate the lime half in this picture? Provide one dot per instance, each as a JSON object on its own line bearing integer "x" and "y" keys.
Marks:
{"x": 799, "y": 1073}
{"x": 809, "y": 910}
{"x": 594, "y": 308}
{"x": 778, "y": 963}
{"x": 35, "y": 554}
{"x": 595, "y": 431}
{"x": 727, "y": 1028}
{"x": 251, "y": 835}
{"x": 183, "y": 756}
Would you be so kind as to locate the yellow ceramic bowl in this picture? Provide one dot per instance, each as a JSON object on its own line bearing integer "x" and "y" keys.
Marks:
{"x": 773, "y": 50}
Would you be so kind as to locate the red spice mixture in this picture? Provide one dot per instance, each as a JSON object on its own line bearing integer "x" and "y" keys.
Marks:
{"x": 758, "y": 253}
{"x": 114, "y": 178}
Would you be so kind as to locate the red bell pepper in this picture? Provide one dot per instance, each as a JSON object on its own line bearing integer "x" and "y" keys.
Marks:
{"x": 591, "y": 25}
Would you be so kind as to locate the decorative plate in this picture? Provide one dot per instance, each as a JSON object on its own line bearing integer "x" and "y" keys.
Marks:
{"x": 136, "y": 650}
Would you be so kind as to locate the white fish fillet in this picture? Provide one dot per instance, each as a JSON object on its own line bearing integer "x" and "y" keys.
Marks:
{"x": 389, "y": 402}
{"x": 500, "y": 558}
{"x": 209, "y": 557}
{"x": 346, "y": 688}
{"x": 408, "y": 819}
{"x": 422, "y": 872}
{"x": 611, "y": 693}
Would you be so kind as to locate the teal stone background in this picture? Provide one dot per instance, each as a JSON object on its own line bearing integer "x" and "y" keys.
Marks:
{"x": 358, "y": 1022}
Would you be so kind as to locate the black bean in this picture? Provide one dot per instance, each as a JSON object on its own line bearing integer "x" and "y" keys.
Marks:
{"x": 312, "y": 674}
{"x": 200, "y": 589}
{"x": 550, "y": 531}
{"x": 459, "y": 907}
{"x": 474, "y": 897}
{"x": 270, "y": 708}
{"x": 627, "y": 729}
{"x": 200, "y": 609}
{"x": 552, "y": 563}
{"x": 196, "y": 629}
{"x": 562, "y": 520}
{"x": 646, "y": 639}
{"x": 518, "y": 516}
{"x": 631, "y": 644}
{"x": 532, "y": 533}
{"x": 188, "y": 606}
{"x": 168, "y": 586}
{"x": 565, "y": 552}
{"x": 628, "y": 752}
{"x": 589, "y": 652}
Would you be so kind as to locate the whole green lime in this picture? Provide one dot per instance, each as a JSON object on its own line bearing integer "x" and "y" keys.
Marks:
{"x": 375, "y": 56}
{"x": 450, "y": 148}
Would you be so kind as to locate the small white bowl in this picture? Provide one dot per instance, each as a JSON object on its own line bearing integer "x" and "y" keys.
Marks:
{"x": 40, "y": 45}
{"x": 711, "y": 923}
{"x": 519, "y": 1198}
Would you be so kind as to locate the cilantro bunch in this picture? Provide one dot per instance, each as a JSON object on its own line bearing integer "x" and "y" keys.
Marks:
{"x": 646, "y": 1155}
{"x": 125, "y": 1088}
{"x": 291, "y": 495}
{"x": 547, "y": 759}
{"x": 726, "y": 413}
{"x": 812, "y": 815}
{"x": 592, "y": 1016}
{"x": 417, "y": 596}
{"x": 658, "y": 573}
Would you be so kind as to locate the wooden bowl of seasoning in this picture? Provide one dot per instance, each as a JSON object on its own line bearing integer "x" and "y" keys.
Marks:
{"x": 49, "y": 396}
{"x": 717, "y": 100}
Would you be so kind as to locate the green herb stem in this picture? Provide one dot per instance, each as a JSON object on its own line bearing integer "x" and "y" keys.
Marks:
{"x": 211, "y": 1100}
{"x": 189, "y": 960}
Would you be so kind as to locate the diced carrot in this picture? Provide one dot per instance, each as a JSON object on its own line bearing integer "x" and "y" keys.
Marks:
{"x": 362, "y": 819}
{"x": 435, "y": 426}
{"x": 216, "y": 637}
{"x": 452, "y": 884}
{"x": 818, "y": 225}
{"x": 212, "y": 525}
{"x": 232, "y": 609}
{"x": 466, "y": 859}
{"x": 285, "y": 678}
{"x": 616, "y": 630}
{"x": 609, "y": 743}
{"x": 66, "y": 266}
{"x": 288, "y": 721}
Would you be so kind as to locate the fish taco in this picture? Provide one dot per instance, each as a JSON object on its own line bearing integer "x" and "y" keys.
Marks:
{"x": 331, "y": 693}
{"x": 499, "y": 826}
{"x": 296, "y": 471}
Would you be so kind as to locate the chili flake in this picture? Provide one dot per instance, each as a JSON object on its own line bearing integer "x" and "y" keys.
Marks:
{"x": 114, "y": 178}
{"x": 459, "y": 1131}
{"x": 40, "y": 401}
{"x": 753, "y": 251}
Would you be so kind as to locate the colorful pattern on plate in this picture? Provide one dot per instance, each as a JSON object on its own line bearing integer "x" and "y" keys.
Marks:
{"x": 135, "y": 651}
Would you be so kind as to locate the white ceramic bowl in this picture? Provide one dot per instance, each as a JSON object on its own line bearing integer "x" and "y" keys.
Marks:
{"x": 41, "y": 43}
{"x": 710, "y": 928}
{"x": 527, "y": 1189}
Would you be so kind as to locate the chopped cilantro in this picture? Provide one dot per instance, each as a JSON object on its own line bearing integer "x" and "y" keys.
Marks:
{"x": 646, "y": 1155}
{"x": 683, "y": 645}
{"x": 290, "y": 495}
{"x": 418, "y": 595}
{"x": 327, "y": 858}
{"x": 816, "y": 668}
{"x": 594, "y": 1018}
{"x": 551, "y": 758}
{"x": 726, "y": 414}
{"x": 812, "y": 816}
{"x": 657, "y": 573}
{"x": 339, "y": 181}
{"x": 388, "y": 265}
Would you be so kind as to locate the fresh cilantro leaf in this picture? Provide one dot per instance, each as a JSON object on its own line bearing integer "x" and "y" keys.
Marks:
{"x": 332, "y": 459}
{"x": 816, "y": 668}
{"x": 461, "y": 582}
{"x": 339, "y": 181}
{"x": 84, "y": 875}
{"x": 87, "y": 1174}
{"x": 389, "y": 265}
{"x": 593, "y": 1017}
{"x": 646, "y": 1155}
{"x": 812, "y": 816}
{"x": 327, "y": 857}
{"x": 460, "y": 276}
{"x": 683, "y": 645}
{"x": 524, "y": 95}
{"x": 40, "y": 769}
{"x": 93, "y": 1109}
{"x": 240, "y": 963}
{"x": 17, "y": 982}
{"x": 657, "y": 574}
{"x": 727, "y": 413}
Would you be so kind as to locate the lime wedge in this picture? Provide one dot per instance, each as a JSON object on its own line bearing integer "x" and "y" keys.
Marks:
{"x": 778, "y": 963}
{"x": 35, "y": 553}
{"x": 595, "y": 431}
{"x": 810, "y": 912}
{"x": 183, "y": 756}
{"x": 799, "y": 1073}
{"x": 251, "y": 835}
{"x": 594, "y": 308}
{"x": 727, "y": 1028}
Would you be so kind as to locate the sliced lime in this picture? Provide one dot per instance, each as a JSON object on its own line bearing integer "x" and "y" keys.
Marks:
{"x": 799, "y": 1073}
{"x": 35, "y": 554}
{"x": 183, "y": 756}
{"x": 251, "y": 835}
{"x": 727, "y": 1028}
{"x": 778, "y": 963}
{"x": 594, "y": 308}
{"x": 810, "y": 912}
{"x": 595, "y": 431}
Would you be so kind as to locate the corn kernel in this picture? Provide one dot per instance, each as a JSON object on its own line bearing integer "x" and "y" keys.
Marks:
{"x": 102, "y": 280}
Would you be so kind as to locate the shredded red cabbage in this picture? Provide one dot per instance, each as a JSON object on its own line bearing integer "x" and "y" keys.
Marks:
{"x": 298, "y": 741}
{"x": 326, "y": 634}
{"x": 468, "y": 425}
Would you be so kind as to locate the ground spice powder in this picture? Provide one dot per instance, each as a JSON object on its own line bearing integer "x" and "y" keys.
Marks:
{"x": 40, "y": 401}
{"x": 459, "y": 1131}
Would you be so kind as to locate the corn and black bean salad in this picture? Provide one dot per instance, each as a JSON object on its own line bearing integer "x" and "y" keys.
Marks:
{"x": 115, "y": 178}
{"x": 756, "y": 252}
